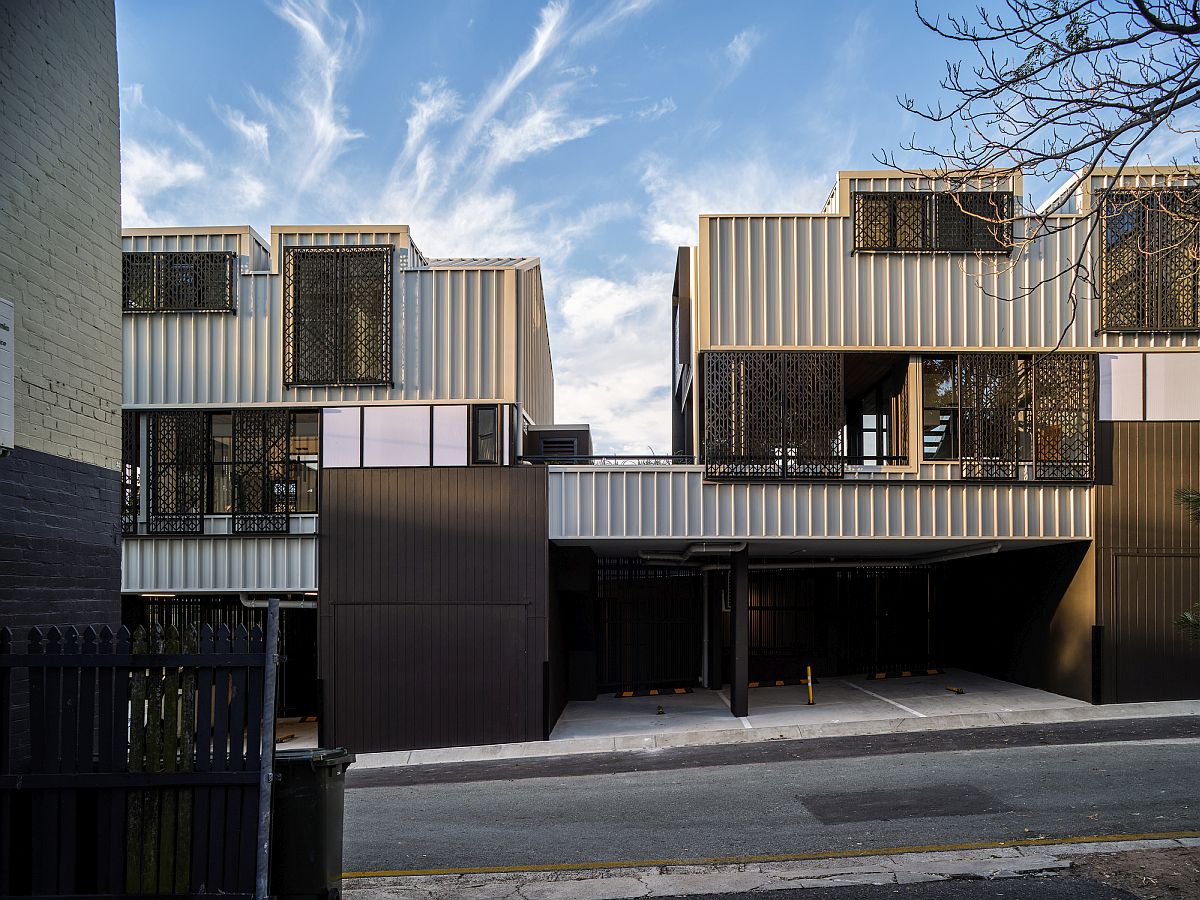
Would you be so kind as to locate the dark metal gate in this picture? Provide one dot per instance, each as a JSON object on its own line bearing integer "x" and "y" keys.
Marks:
{"x": 135, "y": 766}
{"x": 651, "y": 625}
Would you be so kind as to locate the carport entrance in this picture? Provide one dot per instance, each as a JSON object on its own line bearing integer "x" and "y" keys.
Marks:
{"x": 662, "y": 627}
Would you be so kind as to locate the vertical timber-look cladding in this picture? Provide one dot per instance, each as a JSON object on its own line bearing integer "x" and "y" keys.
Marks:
{"x": 1147, "y": 559}
{"x": 433, "y": 593}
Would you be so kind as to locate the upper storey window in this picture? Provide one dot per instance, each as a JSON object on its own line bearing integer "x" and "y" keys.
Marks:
{"x": 924, "y": 221}
{"x": 177, "y": 282}
{"x": 1150, "y": 260}
{"x": 337, "y": 315}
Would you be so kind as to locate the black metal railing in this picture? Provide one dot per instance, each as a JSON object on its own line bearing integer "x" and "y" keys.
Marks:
{"x": 612, "y": 459}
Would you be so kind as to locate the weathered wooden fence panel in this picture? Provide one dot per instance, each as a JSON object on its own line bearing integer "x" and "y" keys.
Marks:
{"x": 143, "y": 764}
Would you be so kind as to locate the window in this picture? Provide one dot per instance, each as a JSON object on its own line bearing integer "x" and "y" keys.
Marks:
{"x": 958, "y": 222}
{"x": 341, "y": 437}
{"x": 177, "y": 282}
{"x": 304, "y": 456}
{"x": 1149, "y": 268}
{"x": 396, "y": 436}
{"x": 996, "y": 410}
{"x": 131, "y": 472}
{"x": 939, "y": 407}
{"x": 485, "y": 442}
{"x": 262, "y": 491}
{"x": 876, "y": 387}
{"x": 450, "y": 435}
{"x": 338, "y": 315}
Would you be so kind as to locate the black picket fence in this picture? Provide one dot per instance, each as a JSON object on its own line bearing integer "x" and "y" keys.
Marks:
{"x": 140, "y": 772}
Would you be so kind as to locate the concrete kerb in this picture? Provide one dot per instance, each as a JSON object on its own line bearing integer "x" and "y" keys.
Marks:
{"x": 666, "y": 740}
{"x": 684, "y": 879}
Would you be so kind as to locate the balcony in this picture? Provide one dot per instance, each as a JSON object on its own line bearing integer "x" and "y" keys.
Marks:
{"x": 869, "y": 513}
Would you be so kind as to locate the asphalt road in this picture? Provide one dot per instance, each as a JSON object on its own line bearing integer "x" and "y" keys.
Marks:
{"x": 742, "y": 801}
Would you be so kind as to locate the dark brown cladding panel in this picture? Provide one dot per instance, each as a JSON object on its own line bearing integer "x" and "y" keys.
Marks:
{"x": 1148, "y": 559}
{"x": 433, "y": 587}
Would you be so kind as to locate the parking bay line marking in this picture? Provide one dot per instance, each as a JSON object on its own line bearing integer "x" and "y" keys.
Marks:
{"x": 782, "y": 857}
{"x": 885, "y": 699}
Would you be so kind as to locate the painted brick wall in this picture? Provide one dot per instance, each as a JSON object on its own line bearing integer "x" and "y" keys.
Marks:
{"x": 60, "y": 551}
{"x": 60, "y": 224}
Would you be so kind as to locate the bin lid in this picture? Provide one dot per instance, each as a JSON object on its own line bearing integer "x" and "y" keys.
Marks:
{"x": 316, "y": 756}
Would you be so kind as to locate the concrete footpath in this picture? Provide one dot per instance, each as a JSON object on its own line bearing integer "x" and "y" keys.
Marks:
{"x": 896, "y": 724}
{"x": 898, "y": 866}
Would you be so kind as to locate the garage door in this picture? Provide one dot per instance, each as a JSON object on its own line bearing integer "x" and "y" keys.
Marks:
{"x": 1153, "y": 660}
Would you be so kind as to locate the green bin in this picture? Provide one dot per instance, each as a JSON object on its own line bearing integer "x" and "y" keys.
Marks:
{"x": 307, "y": 801}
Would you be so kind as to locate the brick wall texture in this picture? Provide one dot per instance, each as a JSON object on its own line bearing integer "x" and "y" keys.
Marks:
{"x": 60, "y": 551}
{"x": 60, "y": 239}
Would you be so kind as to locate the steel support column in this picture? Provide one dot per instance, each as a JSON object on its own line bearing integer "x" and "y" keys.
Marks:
{"x": 739, "y": 682}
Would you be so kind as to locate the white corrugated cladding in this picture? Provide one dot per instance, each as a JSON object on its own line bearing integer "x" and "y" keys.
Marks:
{"x": 450, "y": 332}
{"x": 197, "y": 565}
{"x": 676, "y": 503}
{"x": 793, "y": 281}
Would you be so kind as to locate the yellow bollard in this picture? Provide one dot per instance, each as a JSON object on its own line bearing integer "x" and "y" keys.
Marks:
{"x": 808, "y": 669}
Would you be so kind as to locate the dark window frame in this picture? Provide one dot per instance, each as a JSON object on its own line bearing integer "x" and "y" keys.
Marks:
{"x": 320, "y": 352}
{"x": 154, "y": 281}
{"x": 479, "y": 455}
{"x": 932, "y": 222}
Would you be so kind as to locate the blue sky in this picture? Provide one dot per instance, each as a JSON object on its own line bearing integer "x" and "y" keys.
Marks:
{"x": 589, "y": 134}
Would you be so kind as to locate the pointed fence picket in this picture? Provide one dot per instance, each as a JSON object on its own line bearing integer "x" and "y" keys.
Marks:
{"x": 143, "y": 761}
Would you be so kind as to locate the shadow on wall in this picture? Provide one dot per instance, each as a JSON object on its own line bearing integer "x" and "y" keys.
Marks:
{"x": 1024, "y": 616}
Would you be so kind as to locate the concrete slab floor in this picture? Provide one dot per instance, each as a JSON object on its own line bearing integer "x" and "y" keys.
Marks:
{"x": 837, "y": 700}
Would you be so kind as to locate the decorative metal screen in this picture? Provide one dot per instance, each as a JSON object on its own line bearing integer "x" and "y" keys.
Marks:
{"x": 1151, "y": 260}
{"x": 973, "y": 221}
{"x": 178, "y": 464}
{"x": 1064, "y": 416}
{"x": 130, "y": 472}
{"x": 773, "y": 414}
{"x": 969, "y": 221}
{"x": 263, "y": 493}
{"x": 993, "y": 396}
{"x": 178, "y": 281}
{"x": 337, "y": 322}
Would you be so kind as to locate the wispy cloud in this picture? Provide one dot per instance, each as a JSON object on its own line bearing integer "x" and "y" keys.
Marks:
{"x": 739, "y": 50}
{"x": 147, "y": 172}
{"x": 328, "y": 44}
{"x": 654, "y": 111}
{"x": 256, "y": 134}
{"x": 610, "y": 17}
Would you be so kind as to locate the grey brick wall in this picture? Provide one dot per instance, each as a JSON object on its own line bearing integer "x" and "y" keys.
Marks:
{"x": 60, "y": 223}
{"x": 60, "y": 553}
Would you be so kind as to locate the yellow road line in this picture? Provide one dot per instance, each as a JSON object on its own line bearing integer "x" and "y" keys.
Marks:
{"x": 779, "y": 857}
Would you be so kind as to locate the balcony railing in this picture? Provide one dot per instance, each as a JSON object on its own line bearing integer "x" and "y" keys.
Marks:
{"x": 610, "y": 459}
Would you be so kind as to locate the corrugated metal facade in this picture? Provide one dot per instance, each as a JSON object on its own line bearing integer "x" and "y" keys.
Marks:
{"x": 792, "y": 281}
{"x": 537, "y": 367}
{"x": 1148, "y": 560}
{"x": 455, "y": 336}
{"x": 676, "y": 503}
{"x": 286, "y": 564}
{"x": 419, "y": 649}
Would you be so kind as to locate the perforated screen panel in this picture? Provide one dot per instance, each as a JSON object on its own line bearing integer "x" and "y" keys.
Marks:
{"x": 993, "y": 395}
{"x": 190, "y": 281}
{"x": 964, "y": 222}
{"x": 1151, "y": 260}
{"x": 1064, "y": 416}
{"x": 178, "y": 463}
{"x": 773, "y": 415}
{"x": 338, "y": 315}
